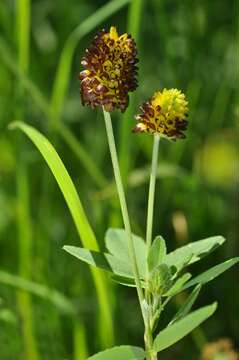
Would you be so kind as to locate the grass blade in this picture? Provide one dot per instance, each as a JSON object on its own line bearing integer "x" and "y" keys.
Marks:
{"x": 23, "y": 19}
{"x": 82, "y": 224}
{"x": 53, "y": 296}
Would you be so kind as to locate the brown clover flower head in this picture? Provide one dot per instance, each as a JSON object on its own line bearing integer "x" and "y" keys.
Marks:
{"x": 165, "y": 113}
{"x": 110, "y": 71}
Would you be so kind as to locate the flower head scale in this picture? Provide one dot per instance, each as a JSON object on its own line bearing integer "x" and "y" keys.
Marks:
{"x": 165, "y": 113}
{"x": 110, "y": 71}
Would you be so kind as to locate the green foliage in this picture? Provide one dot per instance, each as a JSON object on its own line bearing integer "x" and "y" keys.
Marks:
{"x": 103, "y": 261}
{"x": 64, "y": 181}
{"x": 125, "y": 281}
{"x": 117, "y": 261}
{"x": 157, "y": 253}
{"x": 124, "y": 352}
{"x": 53, "y": 296}
{"x": 161, "y": 281}
{"x": 173, "y": 333}
{"x": 73, "y": 201}
{"x": 193, "y": 252}
{"x": 187, "y": 305}
{"x": 117, "y": 244}
{"x": 212, "y": 273}
{"x": 178, "y": 285}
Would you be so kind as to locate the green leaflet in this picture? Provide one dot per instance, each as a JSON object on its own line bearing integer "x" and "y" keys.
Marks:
{"x": 173, "y": 333}
{"x": 193, "y": 252}
{"x": 157, "y": 253}
{"x": 125, "y": 281}
{"x": 117, "y": 243}
{"x": 178, "y": 285}
{"x": 186, "y": 307}
{"x": 103, "y": 261}
{"x": 212, "y": 273}
{"x": 124, "y": 352}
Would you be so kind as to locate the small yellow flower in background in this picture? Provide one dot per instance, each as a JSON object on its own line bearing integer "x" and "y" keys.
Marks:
{"x": 110, "y": 71}
{"x": 165, "y": 113}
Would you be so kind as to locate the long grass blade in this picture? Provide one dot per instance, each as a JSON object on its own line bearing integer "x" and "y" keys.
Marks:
{"x": 23, "y": 18}
{"x": 78, "y": 214}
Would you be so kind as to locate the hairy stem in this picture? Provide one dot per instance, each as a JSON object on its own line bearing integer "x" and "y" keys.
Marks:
{"x": 124, "y": 209}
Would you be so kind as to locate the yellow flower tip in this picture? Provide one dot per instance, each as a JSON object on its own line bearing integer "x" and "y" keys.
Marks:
{"x": 110, "y": 71}
{"x": 165, "y": 113}
{"x": 113, "y": 33}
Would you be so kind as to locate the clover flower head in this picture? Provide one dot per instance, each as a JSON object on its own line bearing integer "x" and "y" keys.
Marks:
{"x": 165, "y": 113}
{"x": 110, "y": 71}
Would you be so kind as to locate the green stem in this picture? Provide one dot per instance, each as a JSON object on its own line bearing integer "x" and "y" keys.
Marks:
{"x": 154, "y": 167}
{"x": 80, "y": 342}
{"x": 149, "y": 344}
{"x": 124, "y": 210}
{"x": 152, "y": 192}
{"x": 148, "y": 335}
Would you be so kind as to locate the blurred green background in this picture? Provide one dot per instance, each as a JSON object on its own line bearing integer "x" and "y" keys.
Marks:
{"x": 192, "y": 45}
